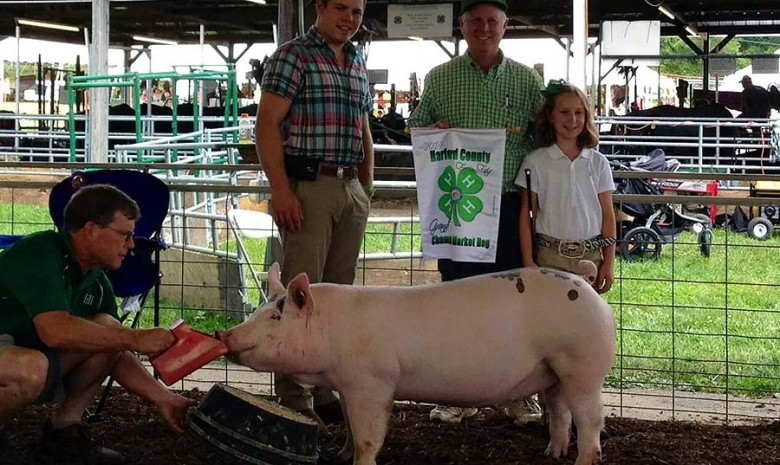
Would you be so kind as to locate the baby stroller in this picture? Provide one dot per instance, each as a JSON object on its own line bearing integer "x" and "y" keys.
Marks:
{"x": 651, "y": 225}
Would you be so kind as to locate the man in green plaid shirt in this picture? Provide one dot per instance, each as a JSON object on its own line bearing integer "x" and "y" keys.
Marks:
{"x": 485, "y": 89}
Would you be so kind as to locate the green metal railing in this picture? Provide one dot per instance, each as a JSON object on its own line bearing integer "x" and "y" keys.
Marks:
{"x": 134, "y": 80}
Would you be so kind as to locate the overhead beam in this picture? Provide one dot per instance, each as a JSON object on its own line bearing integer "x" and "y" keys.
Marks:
{"x": 529, "y": 21}
{"x": 722, "y": 44}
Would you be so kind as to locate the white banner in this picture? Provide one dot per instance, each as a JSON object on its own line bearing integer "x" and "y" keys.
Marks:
{"x": 423, "y": 21}
{"x": 459, "y": 176}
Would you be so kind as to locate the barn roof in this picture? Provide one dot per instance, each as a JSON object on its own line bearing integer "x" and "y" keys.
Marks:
{"x": 240, "y": 21}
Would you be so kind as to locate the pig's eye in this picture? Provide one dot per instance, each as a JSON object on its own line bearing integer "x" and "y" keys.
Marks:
{"x": 276, "y": 316}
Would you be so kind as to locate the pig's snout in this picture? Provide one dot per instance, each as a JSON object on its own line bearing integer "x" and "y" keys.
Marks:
{"x": 224, "y": 336}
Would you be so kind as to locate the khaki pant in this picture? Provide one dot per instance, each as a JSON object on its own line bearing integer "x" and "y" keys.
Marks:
{"x": 326, "y": 248}
{"x": 549, "y": 258}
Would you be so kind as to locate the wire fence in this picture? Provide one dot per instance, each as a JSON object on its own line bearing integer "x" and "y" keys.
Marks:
{"x": 697, "y": 332}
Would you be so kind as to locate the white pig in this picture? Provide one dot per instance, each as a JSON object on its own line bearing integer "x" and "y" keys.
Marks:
{"x": 481, "y": 341}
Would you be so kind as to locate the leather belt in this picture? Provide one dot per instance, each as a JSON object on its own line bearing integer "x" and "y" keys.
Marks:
{"x": 574, "y": 249}
{"x": 338, "y": 171}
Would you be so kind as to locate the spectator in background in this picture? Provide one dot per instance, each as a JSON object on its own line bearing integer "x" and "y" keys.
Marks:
{"x": 492, "y": 92}
{"x": 167, "y": 95}
{"x": 756, "y": 102}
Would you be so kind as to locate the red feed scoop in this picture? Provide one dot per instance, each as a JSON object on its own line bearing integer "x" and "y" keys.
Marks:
{"x": 192, "y": 350}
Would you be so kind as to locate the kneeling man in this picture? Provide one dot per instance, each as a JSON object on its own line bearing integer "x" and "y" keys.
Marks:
{"x": 59, "y": 333}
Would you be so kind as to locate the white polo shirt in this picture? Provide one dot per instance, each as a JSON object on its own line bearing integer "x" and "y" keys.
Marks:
{"x": 568, "y": 191}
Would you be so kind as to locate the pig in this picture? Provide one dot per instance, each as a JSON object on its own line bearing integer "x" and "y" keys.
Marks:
{"x": 481, "y": 341}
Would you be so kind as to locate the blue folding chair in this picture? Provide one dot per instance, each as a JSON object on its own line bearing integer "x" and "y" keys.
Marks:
{"x": 140, "y": 270}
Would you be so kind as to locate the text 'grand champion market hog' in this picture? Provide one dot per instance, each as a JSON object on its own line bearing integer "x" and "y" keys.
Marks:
{"x": 481, "y": 341}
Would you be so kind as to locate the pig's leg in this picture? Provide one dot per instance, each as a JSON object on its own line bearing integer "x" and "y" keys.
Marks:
{"x": 368, "y": 411}
{"x": 587, "y": 410}
{"x": 559, "y": 418}
{"x": 348, "y": 451}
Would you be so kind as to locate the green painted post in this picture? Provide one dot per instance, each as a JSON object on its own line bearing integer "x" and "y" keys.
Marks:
{"x": 71, "y": 117}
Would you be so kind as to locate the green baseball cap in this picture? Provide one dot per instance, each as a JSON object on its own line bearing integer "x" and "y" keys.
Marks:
{"x": 465, "y": 5}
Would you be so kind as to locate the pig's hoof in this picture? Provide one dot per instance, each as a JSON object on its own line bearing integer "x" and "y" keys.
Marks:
{"x": 557, "y": 451}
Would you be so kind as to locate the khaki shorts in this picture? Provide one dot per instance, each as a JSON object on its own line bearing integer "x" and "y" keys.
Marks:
{"x": 549, "y": 258}
{"x": 54, "y": 390}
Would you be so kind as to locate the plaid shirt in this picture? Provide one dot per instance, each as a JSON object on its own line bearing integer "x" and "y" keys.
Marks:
{"x": 328, "y": 101}
{"x": 508, "y": 96}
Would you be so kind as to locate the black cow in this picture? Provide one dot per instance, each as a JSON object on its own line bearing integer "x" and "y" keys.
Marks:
{"x": 122, "y": 131}
{"x": 390, "y": 129}
{"x": 6, "y": 124}
{"x": 25, "y": 143}
{"x": 671, "y": 134}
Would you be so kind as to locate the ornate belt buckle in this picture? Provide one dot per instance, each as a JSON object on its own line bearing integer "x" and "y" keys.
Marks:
{"x": 571, "y": 249}
{"x": 340, "y": 172}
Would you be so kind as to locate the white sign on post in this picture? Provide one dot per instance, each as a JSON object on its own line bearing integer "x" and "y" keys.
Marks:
{"x": 423, "y": 21}
{"x": 723, "y": 66}
{"x": 766, "y": 65}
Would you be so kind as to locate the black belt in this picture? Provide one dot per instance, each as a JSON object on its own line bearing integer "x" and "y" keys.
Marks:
{"x": 338, "y": 171}
{"x": 574, "y": 249}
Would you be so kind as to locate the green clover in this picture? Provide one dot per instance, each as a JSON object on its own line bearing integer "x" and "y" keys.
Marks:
{"x": 459, "y": 200}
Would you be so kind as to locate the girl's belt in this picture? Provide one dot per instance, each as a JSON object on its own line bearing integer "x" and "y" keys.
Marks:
{"x": 574, "y": 249}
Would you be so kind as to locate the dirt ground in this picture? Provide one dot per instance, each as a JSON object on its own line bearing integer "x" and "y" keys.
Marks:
{"x": 135, "y": 428}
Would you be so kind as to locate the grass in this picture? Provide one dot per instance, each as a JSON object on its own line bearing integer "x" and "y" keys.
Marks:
{"x": 685, "y": 322}
{"x": 700, "y": 324}
{"x": 23, "y": 219}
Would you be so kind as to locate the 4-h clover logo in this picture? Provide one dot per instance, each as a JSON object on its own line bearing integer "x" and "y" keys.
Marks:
{"x": 459, "y": 201}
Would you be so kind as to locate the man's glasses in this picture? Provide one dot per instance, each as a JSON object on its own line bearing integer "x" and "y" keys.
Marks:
{"x": 126, "y": 235}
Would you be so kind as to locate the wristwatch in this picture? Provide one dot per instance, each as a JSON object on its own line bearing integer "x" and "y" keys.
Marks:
{"x": 369, "y": 190}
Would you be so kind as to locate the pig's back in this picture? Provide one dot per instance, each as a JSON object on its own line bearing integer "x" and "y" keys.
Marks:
{"x": 467, "y": 328}
{"x": 515, "y": 301}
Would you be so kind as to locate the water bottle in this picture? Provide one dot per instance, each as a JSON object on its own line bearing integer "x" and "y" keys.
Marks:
{"x": 245, "y": 128}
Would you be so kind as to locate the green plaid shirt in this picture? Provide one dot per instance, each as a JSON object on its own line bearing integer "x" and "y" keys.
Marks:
{"x": 508, "y": 96}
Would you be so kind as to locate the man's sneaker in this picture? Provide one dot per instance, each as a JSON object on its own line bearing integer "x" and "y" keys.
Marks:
{"x": 451, "y": 414}
{"x": 72, "y": 443}
{"x": 524, "y": 410}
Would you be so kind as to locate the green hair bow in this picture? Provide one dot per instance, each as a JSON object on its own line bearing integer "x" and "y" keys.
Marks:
{"x": 554, "y": 87}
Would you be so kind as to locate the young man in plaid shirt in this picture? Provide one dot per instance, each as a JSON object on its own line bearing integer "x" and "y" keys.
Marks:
{"x": 314, "y": 141}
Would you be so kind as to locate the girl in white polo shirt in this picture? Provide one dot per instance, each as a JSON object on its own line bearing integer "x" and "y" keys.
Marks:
{"x": 571, "y": 190}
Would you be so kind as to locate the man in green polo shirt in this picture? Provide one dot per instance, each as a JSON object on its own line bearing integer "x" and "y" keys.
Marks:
{"x": 59, "y": 333}
{"x": 484, "y": 89}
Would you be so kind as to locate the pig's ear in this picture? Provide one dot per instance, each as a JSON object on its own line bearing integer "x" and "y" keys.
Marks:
{"x": 299, "y": 294}
{"x": 274, "y": 281}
